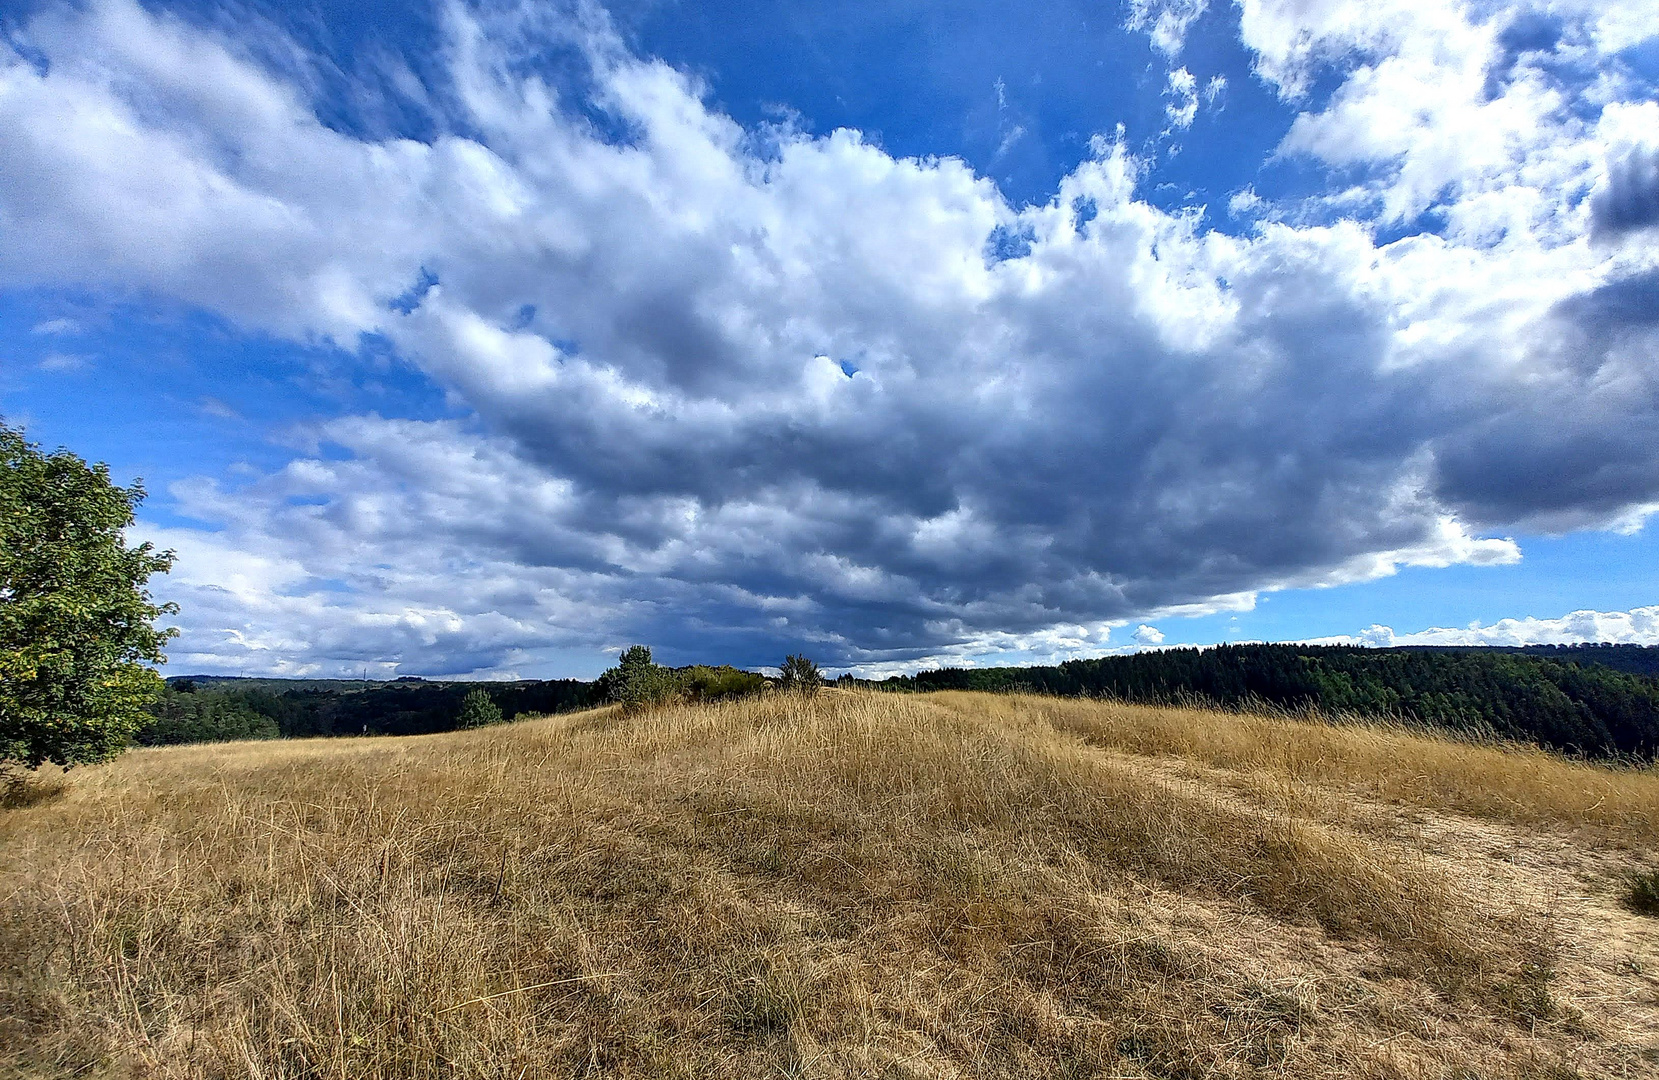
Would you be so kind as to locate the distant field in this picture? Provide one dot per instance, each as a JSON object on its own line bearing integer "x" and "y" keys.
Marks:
{"x": 857, "y": 885}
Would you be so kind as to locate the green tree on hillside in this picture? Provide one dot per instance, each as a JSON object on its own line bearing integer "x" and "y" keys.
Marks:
{"x": 478, "y": 710}
{"x": 76, "y": 621}
{"x": 638, "y": 682}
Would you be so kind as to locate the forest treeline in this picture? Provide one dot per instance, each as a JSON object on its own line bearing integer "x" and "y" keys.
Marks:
{"x": 209, "y": 710}
{"x": 1597, "y": 701}
{"x": 1572, "y": 703}
{"x": 1635, "y": 659}
{"x": 215, "y": 709}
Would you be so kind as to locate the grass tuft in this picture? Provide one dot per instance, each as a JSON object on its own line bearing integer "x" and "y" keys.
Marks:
{"x": 21, "y": 789}
{"x": 1641, "y": 893}
{"x": 765, "y": 995}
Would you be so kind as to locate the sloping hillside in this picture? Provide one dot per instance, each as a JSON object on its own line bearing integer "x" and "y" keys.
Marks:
{"x": 860, "y": 884}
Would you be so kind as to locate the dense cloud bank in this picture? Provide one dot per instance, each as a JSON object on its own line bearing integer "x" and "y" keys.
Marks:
{"x": 735, "y": 390}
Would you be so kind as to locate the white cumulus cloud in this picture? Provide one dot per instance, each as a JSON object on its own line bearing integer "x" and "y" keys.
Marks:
{"x": 1638, "y": 626}
{"x": 1148, "y": 635}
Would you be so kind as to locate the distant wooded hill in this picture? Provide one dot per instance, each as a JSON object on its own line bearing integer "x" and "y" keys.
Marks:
{"x": 205, "y": 708}
{"x": 1579, "y": 699}
{"x": 210, "y": 708}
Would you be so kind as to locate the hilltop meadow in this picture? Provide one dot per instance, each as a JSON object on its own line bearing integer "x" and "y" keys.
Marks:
{"x": 852, "y": 884}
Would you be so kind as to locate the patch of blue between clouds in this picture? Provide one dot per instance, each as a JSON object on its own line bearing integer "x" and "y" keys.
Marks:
{"x": 166, "y": 393}
{"x": 1007, "y": 243}
{"x": 1601, "y": 571}
{"x": 1643, "y": 61}
{"x": 411, "y": 298}
{"x": 318, "y": 585}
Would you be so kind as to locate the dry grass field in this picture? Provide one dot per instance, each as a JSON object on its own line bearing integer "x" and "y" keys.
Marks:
{"x": 856, "y": 885}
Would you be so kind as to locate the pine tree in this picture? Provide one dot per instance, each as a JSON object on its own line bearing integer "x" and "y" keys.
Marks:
{"x": 478, "y": 710}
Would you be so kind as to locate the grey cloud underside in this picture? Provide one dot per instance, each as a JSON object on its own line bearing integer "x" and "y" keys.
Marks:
{"x": 1630, "y": 200}
{"x": 1132, "y": 416}
{"x": 1576, "y": 447}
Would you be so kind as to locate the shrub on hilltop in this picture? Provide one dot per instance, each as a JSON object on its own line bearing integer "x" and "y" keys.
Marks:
{"x": 800, "y": 675}
{"x": 1641, "y": 893}
{"x": 638, "y": 682}
{"x": 704, "y": 683}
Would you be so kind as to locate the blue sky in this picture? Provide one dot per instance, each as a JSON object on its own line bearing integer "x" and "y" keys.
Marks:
{"x": 484, "y": 340}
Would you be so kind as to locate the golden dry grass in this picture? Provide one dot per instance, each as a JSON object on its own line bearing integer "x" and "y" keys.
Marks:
{"x": 854, "y": 885}
{"x": 1517, "y": 784}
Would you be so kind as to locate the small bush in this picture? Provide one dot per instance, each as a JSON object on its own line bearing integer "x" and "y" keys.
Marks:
{"x": 800, "y": 675}
{"x": 1641, "y": 893}
{"x": 715, "y": 683}
{"x": 478, "y": 710}
{"x": 766, "y": 998}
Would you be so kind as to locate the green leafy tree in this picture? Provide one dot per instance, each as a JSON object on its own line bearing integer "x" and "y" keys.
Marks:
{"x": 77, "y": 624}
{"x": 638, "y": 682}
{"x": 479, "y": 710}
{"x": 800, "y": 675}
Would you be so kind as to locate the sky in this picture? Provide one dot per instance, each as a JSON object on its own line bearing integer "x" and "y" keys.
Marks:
{"x": 483, "y": 339}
